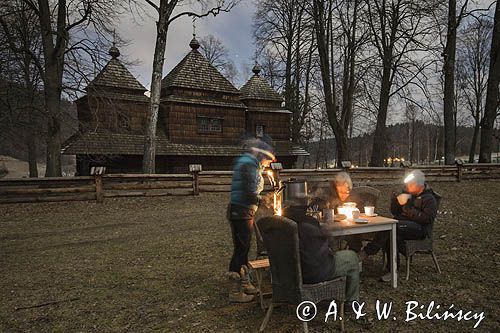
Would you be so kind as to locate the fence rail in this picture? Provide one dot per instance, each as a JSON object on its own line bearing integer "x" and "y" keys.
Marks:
{"x": 99, "y": 187}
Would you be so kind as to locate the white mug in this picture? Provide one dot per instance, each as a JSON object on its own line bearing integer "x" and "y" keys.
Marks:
{"x": 369, "y": 210}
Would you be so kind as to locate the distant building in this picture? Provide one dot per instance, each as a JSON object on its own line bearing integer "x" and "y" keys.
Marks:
{"x": 203, "y": 119}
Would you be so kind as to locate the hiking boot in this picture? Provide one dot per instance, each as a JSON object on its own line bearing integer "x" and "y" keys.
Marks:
{"x": 248, "y": 287}
{"x": 236, "y": 294}
{"x": 387, "y": 277}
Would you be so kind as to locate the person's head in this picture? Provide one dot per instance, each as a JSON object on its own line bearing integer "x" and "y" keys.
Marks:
{"x": 342, "y": 184}
{"x": 415, "y": 182}
{"x": 263, "y": 151}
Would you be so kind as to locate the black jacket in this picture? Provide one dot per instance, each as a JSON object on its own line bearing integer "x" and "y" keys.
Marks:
{"x": 421, "y": 209}
{"x": 316, "y": 258}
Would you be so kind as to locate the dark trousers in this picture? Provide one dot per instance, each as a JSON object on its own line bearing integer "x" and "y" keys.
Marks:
{"x": 406, "y": 230}
{"x": 241, "y": 231}
{"x": 355, "y": 242}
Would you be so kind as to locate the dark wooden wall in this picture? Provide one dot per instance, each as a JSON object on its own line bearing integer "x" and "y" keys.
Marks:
{"x": 183, "y": 126}
{"x": 110, "y": 114}
{"x": 276, "y": 125}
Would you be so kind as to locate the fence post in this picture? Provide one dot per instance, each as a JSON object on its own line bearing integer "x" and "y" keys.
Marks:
{"x": 460, "y": 165}
{"x": 98, "y": 171}
{"x": 99, "y": 195}
{"x": 195, "y": 172}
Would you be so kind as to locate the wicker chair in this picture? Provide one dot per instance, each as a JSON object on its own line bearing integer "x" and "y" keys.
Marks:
{"x": 368, "y": 195}
{"x": 412, "y": 247}
{"x": 281, "y": 239}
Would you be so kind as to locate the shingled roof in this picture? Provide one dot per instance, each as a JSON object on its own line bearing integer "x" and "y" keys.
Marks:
{"x": 258, "y": 88}
{"x": 196, "y": 72}
{"x": 116, "y": 76}
{"x": 108, "y": 143}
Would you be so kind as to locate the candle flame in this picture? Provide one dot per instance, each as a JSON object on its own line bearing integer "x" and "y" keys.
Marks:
{"x": 277, "y": 205}
{"x": 270, "y": 175}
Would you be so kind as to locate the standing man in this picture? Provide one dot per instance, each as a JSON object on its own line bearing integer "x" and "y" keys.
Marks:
{"x": 246, "y": 186}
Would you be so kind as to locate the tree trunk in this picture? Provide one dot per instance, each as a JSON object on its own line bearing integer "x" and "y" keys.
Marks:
{"x": 296, "y": 109}
{"x": 53, "y": 168}
{"x": 53, "y": 51}
{"x": 348, "y": 84}
{"x": 449, "y": 85}
{"x": 52, "y": 90}
{"x": 148, "y": 161}
{"x": 328, "y": 83}
{"x": 379, "y": 150}
{"x": 288, "y": 66}
{"x": 473, "y": 145}
{"x": 32, "y": 148}
{"x": 492, "y": 94}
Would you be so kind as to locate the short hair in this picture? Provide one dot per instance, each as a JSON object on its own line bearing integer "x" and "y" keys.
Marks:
{"x": 342, "y": 178}
{"x": 415, "y": 176}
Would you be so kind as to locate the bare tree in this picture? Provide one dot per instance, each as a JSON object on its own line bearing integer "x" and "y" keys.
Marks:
{"x": 20, "y": 32}
{"x": 472, "y": 71}
{"x": 492, "y": 105}
{"x": 271, "y": 70}
{"x": 283, "y": 31}
{"x": 339, "y": 39}
{"x": 63, "y": 26}
{"x": 218, "y": 56}
{"x": 400, "y": 34}
{"x": 165, "y": 11}
{"x": 449, "y": 99}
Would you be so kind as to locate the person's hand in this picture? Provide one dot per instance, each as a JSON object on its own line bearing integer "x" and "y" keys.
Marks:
{"x": 403, "y": 198}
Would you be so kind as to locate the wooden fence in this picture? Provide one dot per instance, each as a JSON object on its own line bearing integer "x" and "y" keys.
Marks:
{"x": 99, "y": 187}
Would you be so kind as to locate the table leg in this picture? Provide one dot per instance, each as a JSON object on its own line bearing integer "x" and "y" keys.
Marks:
{"x": 394, "y": 253}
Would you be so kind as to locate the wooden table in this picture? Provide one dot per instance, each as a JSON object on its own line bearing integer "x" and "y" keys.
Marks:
{"x": 375, "y": 224}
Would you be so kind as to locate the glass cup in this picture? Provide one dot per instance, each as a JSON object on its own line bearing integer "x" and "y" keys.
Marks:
{"x": 328, "y": 215}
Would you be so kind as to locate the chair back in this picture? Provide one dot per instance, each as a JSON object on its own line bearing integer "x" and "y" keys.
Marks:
{"x": 438, "y": 202}
{"x": 368, "y": 195}
{"x": 438, "y": 199}
{"x": 281, "y": 240}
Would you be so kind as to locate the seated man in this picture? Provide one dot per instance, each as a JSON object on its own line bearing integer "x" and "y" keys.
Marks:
{"x": 337, "y": 194}
{"x": 415, "y": 209}
{"x": 318, "y": 262}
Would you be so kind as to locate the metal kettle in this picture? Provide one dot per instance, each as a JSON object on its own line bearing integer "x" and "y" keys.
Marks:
{"x": 295, "y": 190}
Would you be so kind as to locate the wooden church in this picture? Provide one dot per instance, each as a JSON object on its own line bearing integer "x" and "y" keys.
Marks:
{"x": 203, "y": 119}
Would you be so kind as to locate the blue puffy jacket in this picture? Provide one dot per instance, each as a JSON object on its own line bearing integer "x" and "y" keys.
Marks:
{"x": 247, "y": 182}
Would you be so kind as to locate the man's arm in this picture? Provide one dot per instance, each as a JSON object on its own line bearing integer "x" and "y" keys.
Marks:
{"x": 395, "y": 206}
{"x": 422, "y": 211}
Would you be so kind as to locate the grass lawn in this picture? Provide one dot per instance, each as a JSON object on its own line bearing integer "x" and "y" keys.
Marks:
{"x": 157, "y": 264}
